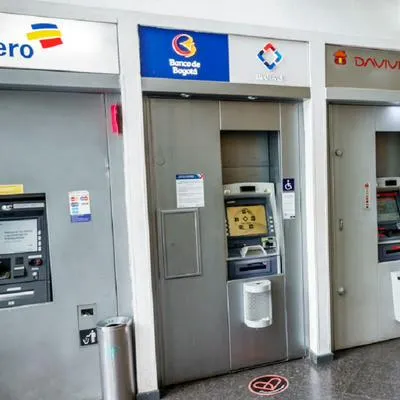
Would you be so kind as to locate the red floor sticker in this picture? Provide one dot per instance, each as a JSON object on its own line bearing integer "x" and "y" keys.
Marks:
{"x": 268, "y": 385}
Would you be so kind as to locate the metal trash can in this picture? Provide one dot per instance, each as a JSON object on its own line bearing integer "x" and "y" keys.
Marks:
{"x": 116, "y": 358}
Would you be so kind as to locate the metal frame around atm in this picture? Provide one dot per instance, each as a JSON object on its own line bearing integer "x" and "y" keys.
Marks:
{"x": 181, "y": 89}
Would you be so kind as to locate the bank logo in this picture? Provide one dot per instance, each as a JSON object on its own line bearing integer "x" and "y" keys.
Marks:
{"x": 270, "y": 56}
{"x": 184, "y": 45}
{"x": 48, "y": 35}
{"x": 340, "y": 57}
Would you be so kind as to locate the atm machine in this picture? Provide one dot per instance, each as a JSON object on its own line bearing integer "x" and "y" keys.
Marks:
{"x": 255, "y": 282}
{"x": 24, "y": 251}
{"x": 388, "y": 210}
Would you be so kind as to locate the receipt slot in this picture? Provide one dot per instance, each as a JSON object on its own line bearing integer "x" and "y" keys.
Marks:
{"x": 24, "y": 251}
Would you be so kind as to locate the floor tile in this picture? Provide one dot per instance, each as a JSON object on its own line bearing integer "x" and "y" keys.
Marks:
{"x": 365, "y": 373}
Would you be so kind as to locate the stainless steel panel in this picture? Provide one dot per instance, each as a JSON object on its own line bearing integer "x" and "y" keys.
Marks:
{"x": 250, "y": 346}
{"x": 116, "y": 358}
{"x": 184, "y": 137}
{"x": 245, "y": 156}
{"x": 388, "y": 118}
{"x": 55, "y": 143}
{"x": 194, "y": 321}
{"x": 181, "y": 243}
{"x": 236, "y": 116}
{"x": 57, "y": 81}
{"x": 214, "y": 89}
{"x": 355, "y": 294}
{"x": 388, "y": 153}
{"x": 389, "y": 328}
{"x": 120, "y": 230}
{"x": 343, "y": 95}
{"x": 293, "y": 235}
{"x": 245, "y": 174}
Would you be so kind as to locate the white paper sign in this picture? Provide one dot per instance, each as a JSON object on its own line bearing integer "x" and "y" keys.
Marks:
{"x": 268, "y": 61}
{"x": 58, "y": 44}
{"x": 79, "y": 206}
{"x": 190, "y": 190}
{"x": 288, "y": 198}
{"x": 289, "y": 205}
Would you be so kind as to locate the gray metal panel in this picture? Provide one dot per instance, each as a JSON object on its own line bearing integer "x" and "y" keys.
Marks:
{"x": 55, "y": 80}
{"x": 304, "y": 236}
{"x": 245, "y": 174}
{"x": 362, "y": 96}
{"x": 387, "y": 125}
{"x": 55, "y": 143}
{"x": 120, "y": 231}
{"x": 249, "y": 346}
{"x": 180, "y": 243}
{"x": 354, "y": 267}
{"x": 185, "y": 139}
{"x": 170, "y": 86}
{"x": 389, "y": 328}
{"x": 388, "y": 119}
{"x": 293, "y": 246}
{"x": 245, "y": 157}
{"x": 236, "y": 116}
{"x": 387, "y": 153}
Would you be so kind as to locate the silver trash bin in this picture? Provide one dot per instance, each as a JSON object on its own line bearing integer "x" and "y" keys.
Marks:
{"x": 116, "y": 358}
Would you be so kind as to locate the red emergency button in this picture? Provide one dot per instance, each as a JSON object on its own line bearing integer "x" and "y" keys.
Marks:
{"x": 36, "y": 262}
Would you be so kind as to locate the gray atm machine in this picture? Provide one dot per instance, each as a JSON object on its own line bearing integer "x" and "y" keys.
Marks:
{"x": 256, "y": 294}
{"x": 24, "y": 252}
{"x": 229, "y": 248}
{"x": 388, "y": 213}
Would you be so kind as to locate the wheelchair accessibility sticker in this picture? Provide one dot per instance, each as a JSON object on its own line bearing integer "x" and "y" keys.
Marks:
{"x": 288, "y": 198}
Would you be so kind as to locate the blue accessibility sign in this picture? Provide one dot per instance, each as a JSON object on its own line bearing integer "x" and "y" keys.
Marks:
{"x": 288, "y": 184}
{"x": 174, "y": 54}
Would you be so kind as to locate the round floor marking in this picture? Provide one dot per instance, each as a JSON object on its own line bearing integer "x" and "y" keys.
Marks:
{"x": 268, "y": 385}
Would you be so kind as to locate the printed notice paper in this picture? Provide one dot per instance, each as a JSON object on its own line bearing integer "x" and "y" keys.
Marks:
{"x": 190, "y": 190}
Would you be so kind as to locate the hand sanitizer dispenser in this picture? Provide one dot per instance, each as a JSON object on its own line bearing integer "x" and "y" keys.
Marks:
{"x": 396, "y": 293}
{"x": 257, "y": 303}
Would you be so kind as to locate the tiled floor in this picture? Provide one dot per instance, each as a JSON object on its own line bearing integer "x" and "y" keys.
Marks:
{"x": 370, "y": 372}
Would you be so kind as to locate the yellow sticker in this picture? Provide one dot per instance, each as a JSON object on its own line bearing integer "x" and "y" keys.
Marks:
{"x": 11, "y": 189}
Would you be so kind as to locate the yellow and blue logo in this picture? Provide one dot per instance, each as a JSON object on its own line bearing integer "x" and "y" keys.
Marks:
{"x": 184, "y": 45}
{"x": 48, "y": 34}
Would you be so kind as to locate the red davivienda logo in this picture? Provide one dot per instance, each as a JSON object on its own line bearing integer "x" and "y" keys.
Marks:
{"x": 341, "y": 58}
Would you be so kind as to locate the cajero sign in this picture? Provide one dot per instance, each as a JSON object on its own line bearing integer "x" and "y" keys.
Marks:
{"x": 29, "y": 42}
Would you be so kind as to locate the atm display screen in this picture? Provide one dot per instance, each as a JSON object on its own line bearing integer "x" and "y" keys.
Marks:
{"x": 388, "y": 209}
{"x": 18, "y": 236}
{"x": 248, "y": 220}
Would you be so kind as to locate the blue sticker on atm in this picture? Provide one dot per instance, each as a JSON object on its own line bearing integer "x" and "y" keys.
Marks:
{"x": 174, "y": 54}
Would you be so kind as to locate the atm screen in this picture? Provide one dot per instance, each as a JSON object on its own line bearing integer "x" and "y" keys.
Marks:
{"x": 248, "y": 220}
{"x": 18, "y": 236}
{"x": 388, "y": 209}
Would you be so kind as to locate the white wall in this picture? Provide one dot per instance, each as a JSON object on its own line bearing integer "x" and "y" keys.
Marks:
{"x": 366, "y": 17}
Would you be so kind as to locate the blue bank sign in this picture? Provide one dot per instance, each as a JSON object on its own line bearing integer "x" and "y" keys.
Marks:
{"x": 183, "y": 55}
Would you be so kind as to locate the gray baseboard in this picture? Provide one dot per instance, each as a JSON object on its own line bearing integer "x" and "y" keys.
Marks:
{"x": 154, "y": 395}
{"x": 321, "y": 359}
